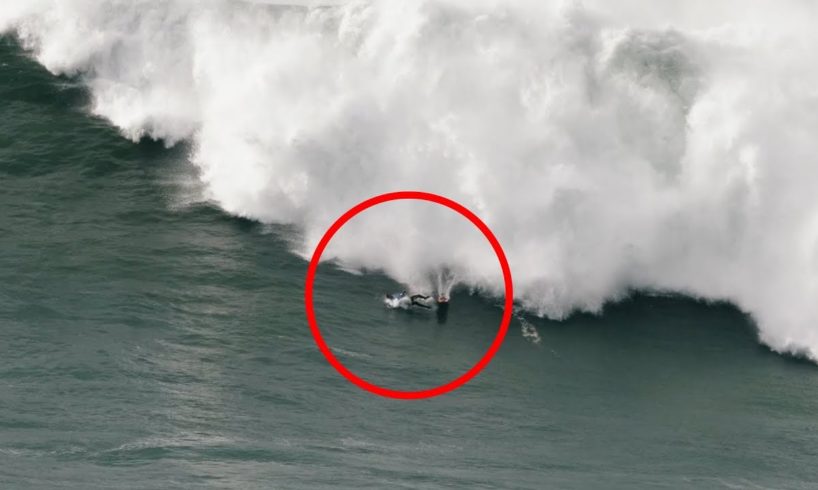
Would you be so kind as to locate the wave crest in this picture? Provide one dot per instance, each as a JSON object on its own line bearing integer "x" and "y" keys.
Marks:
{"x": 607, "y": 153}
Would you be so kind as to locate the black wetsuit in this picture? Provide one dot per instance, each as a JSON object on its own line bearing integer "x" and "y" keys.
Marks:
{"x": 415, "y": 302}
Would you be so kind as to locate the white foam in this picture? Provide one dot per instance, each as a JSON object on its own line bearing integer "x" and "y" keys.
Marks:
{"x": 528, "y": 330}
{"x": 623, "y": 145}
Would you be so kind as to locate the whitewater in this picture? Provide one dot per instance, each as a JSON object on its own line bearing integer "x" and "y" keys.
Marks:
{"x": 612, "y": 146}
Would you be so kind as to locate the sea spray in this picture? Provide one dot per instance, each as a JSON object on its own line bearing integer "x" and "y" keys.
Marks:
{"x": 614, "y": 146}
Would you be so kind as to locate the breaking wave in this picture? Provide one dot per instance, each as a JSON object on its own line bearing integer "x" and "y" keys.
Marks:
{"x": 611, "y": 146}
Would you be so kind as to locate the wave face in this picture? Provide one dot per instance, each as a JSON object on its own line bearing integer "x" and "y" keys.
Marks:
{"x": 613, "y": 146}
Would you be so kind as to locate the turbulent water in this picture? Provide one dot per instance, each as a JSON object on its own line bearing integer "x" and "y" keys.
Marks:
{"x": 166, "y": 166}
{"x": 611, "y": 146}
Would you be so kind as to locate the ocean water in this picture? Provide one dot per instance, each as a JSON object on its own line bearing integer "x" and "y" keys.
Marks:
{"x": 152, "y": 327}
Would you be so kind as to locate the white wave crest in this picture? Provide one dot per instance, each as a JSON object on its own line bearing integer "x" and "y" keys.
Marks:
{"x": 622, "y": 145}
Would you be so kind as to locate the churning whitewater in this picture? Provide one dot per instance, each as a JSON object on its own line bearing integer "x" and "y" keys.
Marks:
{"x": 609, "y": 148}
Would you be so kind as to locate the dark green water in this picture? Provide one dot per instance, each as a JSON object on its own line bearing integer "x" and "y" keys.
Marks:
{"x": 149, "y": 341}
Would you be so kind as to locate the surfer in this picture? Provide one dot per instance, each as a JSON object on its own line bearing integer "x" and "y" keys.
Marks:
{"x": 414, "y": 301}
{"x": 396, "y": 299}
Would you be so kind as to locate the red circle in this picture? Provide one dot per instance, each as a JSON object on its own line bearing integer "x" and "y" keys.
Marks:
{"x": 451, "y": 385}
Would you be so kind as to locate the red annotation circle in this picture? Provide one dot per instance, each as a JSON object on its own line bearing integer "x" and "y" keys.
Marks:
{"x": 379, "y": 390}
